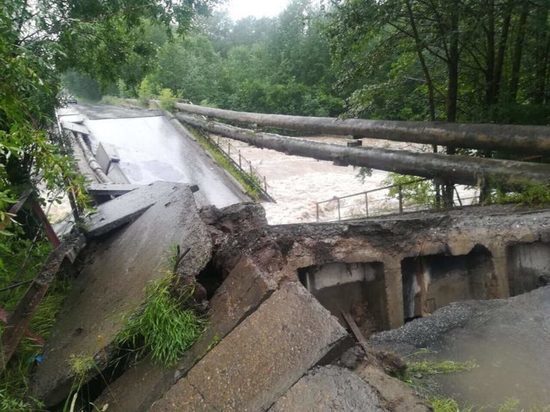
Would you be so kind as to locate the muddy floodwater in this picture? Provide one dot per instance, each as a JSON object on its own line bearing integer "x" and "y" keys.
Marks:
{"x": 297, "y": 183}
{"x": 508, "y": 338}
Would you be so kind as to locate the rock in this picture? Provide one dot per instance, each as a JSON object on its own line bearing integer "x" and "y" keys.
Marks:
{"x": 328, "y": 389}
{"x": 352, "y": 357}
{"x": 111, "y": 286}
{"x": 262, "y": 358}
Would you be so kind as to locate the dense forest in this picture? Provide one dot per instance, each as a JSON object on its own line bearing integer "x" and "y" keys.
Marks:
{"x": 453, "y": 60}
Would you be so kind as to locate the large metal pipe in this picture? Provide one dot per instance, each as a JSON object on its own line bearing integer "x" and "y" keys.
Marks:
{"x": 514, "y": 138}
{"x": 457, "y": 169}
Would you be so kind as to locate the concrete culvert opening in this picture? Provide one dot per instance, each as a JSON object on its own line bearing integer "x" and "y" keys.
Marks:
{"x": 357, "y": 288}
{"x": 433, "y": 281}
{"x": 528, "y": 266}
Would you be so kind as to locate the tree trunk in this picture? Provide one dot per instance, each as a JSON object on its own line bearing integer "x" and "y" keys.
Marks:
{"x": 517, "y": 53}
{"x": 499, "y": 63}
{"x": 453, "y": 61}
{"x": 459, "y": 169}
{"x": 527, "y": 139}
{"x": 425, "y": 69}
{"x": 543, "y": 41}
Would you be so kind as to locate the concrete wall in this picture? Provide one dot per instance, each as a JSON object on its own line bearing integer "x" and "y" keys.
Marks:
{"x": 431, "y": 282}
{"x": 528, "y": 266}
{"x": 357, "y": 288}
{"x": 335, "y": 255}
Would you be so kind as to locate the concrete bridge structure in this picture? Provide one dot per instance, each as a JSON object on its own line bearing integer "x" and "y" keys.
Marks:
{"x": 279, "y": 296}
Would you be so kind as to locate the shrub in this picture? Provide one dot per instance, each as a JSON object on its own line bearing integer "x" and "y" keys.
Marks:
{"x": 167, "y": 99}
{"x": 146, "y": 91}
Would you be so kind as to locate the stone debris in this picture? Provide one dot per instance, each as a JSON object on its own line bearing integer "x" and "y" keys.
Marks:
{"x": 330, "y": 389}
{"x": 124, "y": 209}
{"x": 260, "y": 359}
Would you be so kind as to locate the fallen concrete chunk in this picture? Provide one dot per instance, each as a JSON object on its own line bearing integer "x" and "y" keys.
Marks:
{"x": 106, "y": 189}
{"x": 243, "y": 291}
{"x": 75, "y": 127}
{"x": 124, "y": 209}
{"x": 263, "y": 357}
{"x": 328, "y": 389}
{"x": 105, "y": 155}
{"x": 112, "y": 286}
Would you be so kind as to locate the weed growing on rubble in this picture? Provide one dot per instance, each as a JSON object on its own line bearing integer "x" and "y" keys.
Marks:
{"x": 426, "y": 367}
{"x": 162, "y": 327}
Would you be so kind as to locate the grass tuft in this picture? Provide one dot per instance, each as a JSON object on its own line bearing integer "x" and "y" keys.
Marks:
{"x": 162, "y": 327}
{"x": 440, "y": 368}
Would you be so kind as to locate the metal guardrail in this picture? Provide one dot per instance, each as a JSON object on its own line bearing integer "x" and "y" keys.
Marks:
{"x": 366, "y": 204}
{"x": 233, "y": 154}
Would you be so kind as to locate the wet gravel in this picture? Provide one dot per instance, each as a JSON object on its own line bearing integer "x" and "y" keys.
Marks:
{"x": 421, "y": 332}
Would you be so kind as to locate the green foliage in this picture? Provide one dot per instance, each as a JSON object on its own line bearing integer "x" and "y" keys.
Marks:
{"x": 146, "y": 91}
{"x": 532, "y": 195}
{"x": 388, "y": 55}
{"x": 112, "y": 100}
{"x": 22, "y": 259}
{"x": 167, "y": 99}
{"x": 82, "y": 86}
{"x": 81, "y": 365}
{"x": 162, "y": 327}
{"x": 446, "y": 405}
{"x": 415, "y": 191}
{"x": 10, "y": 404}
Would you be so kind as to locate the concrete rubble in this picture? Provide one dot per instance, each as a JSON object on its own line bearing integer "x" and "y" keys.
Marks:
{"x": 262, "y": 358}
{"x": 328, "y": 389}
{"x": 243, "y": 291}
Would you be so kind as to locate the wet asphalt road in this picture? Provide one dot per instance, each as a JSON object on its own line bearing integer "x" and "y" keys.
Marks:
{"x": 152, "y": 149}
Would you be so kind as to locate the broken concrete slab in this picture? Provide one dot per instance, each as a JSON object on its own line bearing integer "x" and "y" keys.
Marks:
{"x": 137, "y": 388}
{"x": 106, "y": 189}
{"x": 243, "y": 291}
{"x": 190, "y": 400}
{"x": 111, "y": 286}
{"x": 328, "y": 389}
{"x": 261, "y": 358}
{"x": 105, "y": 155}
{"x": 124, "y": 209}
{"x": 75, "y": 127}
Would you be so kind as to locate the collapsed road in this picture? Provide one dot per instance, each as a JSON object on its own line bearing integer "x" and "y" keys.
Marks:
{"x": 150, "y": 148}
